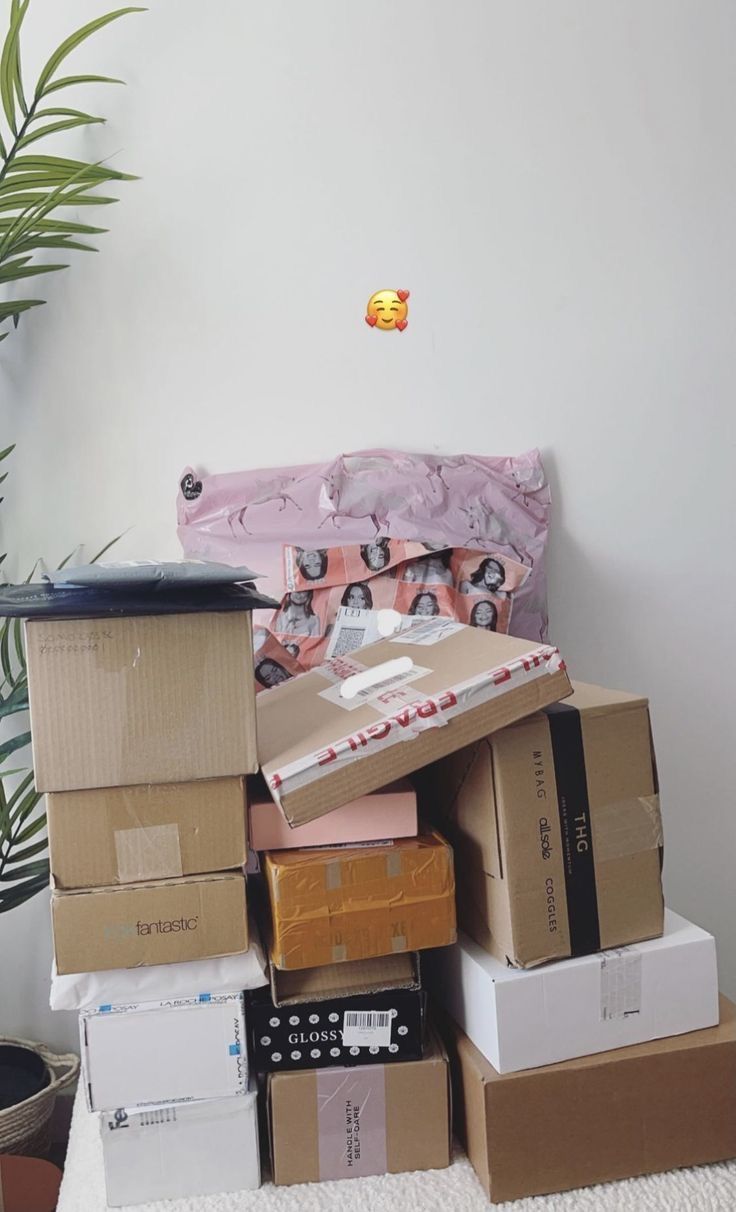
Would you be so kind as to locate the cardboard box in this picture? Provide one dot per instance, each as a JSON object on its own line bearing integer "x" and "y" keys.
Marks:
{"x": 349, "y": 979}
{"x": 223, "y": 974}
{"x": 364, "y": 1030}
{"x": 333, "y": 905}
{"x": 150, "y": 699}
{"x": 319, "y": 750}
{"x": 181, "y": 1150}
{"x": 556, "y": 825}
{"x": 373, "y": 1119}
{"x": 522, "y": 1019}
{"x": 157, "y": 1052}
{"x": 119, "y": 835}
{"x": 638, "y": 1110}
{"x": 160, "y": 922}
{"x": 387, "y": 813}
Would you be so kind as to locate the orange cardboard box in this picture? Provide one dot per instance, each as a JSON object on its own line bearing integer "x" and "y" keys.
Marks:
{"x": 337, "y": 904}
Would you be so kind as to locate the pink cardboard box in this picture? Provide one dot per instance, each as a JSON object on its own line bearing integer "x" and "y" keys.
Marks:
{"x": 388, "y": 813}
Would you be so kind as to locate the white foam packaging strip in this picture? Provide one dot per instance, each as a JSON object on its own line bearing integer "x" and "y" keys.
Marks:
{"x": 181, "y": 1150}
{"x": 226, "y": 974}
{"x": 522, "y": 1019}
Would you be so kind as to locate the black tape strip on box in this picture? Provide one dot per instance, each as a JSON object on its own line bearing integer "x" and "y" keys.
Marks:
{"x": 568, "y": 752}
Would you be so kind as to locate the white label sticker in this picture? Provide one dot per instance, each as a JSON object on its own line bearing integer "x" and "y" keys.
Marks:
{"x": 366, "y": 1029}
{"x": 383, "y": 696}
{"x": 427, "y": 633}
{"x": 620, "y": 983}
{"x": 353, "y": 628}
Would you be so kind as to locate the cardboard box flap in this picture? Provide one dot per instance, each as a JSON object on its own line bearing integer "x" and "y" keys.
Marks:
{"x": 318, "y": 750}
{"x": 126, "y": 889}
{"x": 378, "y": 975}
{"x": 463, "y": 787}
{"x": 599, "y": 700}
{"x": 591, "y": 701}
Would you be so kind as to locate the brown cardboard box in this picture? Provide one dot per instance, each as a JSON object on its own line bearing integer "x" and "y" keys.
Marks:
{"x": 150, "y": 831}
{"x": 160, "y": 922}
{"x": 556, "y": 827}
{"x": 347, "y": 904}
{"x": 150, "y": 699}
{"x": 637, "y": 1110}
{"x": 346, "y": 1123}
{"x": 319, "y": 750}
{"x": 381, "y": 974}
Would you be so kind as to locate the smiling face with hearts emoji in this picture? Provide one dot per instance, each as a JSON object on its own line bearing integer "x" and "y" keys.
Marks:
{"x": 387, "y": 309}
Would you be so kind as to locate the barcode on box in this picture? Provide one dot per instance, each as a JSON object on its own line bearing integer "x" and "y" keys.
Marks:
{"x": 366, "y": 1028}
{"x": 367, "y": 1019}
{"x": 350, "y": 638}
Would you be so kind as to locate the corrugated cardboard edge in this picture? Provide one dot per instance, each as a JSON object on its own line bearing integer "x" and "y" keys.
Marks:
{"x": 413, "y": 984}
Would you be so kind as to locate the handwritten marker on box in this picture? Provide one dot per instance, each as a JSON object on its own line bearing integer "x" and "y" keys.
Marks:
{"x": 357, "y": 682}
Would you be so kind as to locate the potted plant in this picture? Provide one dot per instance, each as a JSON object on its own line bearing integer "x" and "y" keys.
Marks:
{"x": 39, "y": 197}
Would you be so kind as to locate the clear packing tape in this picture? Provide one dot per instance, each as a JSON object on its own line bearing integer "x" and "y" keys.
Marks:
{"x": 627, "y": 827}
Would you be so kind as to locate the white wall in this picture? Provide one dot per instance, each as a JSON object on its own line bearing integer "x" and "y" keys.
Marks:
{"x": 555, "y": 184}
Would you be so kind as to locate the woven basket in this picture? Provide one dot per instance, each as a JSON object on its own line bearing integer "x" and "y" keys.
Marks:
{"x": 25, "y": 1127}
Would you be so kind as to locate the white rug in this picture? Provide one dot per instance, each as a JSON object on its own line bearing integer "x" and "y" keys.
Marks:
{"x": 705, "y": 1189}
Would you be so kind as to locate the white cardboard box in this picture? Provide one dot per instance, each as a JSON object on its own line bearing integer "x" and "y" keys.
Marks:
{"x": 522, "y": 1019}
{"x": 158, "y": 1052}
{"x": 180, "y": 1150}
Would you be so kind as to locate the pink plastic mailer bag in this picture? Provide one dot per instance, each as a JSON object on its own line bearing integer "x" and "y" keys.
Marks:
{"x": 461, "y": 536}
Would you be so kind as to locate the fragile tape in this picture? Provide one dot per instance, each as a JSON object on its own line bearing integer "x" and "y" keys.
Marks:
{"x": 415, "y": 717}
{"x": 149, "y": 852}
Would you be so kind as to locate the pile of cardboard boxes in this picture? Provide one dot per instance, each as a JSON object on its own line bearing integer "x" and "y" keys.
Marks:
{"x": 443, "y": 765}
{"x": 143, "y": 731}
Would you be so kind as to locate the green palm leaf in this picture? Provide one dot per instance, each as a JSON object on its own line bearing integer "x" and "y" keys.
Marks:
{"x": 35, "y": 189}
{"x": 68, "y": 81}
{"x": 62, "y": 167}
{"x": 35, "y": 192}
{"x": 9, "y": 62}
{"x": 17, "y": 894}
{"x": 75, "y": 40}
{"x": 53, "y": 127}
{"x": 9, "y": 272}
